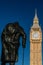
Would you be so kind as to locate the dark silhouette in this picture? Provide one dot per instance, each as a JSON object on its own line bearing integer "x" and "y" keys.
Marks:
{"x": 10, "y": 42}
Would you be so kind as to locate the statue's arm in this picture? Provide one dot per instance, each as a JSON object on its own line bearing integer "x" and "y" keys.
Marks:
{"x": 23, "y": 37}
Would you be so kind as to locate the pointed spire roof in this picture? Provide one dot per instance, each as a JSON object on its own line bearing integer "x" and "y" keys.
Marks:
{"x": 35, "y": 13}
{"x": 35, "y": 18}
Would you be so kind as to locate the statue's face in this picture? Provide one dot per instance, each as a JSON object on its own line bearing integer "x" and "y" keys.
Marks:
{"x": 11, "y": 29}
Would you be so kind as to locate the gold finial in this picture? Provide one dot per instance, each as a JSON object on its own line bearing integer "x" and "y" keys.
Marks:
{"x": 35, "y": 18}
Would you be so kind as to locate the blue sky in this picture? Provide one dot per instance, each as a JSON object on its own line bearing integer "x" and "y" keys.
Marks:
{"x": 22, "y": 11}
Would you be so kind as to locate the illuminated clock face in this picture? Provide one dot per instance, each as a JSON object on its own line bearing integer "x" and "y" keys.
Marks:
{"x": 35, "y": 35}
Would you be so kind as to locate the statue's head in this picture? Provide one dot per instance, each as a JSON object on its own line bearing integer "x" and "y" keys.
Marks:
{"x": 11, "y": 26}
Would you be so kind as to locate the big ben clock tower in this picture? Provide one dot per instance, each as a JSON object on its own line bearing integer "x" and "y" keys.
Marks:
{"x": 35, "y": 42}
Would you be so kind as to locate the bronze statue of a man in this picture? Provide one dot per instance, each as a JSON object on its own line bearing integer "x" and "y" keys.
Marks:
{"x": 10, "y": 42}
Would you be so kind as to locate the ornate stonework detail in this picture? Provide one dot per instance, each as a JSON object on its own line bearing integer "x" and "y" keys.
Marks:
{"x": 35, "y": 43}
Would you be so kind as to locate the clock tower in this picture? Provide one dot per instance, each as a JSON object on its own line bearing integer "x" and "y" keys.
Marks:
{"x": 35, "y": 42}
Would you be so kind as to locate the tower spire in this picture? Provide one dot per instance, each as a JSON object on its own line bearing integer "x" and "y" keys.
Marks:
{"x": 35, "y": 13}
{"x": 35, "y": 18}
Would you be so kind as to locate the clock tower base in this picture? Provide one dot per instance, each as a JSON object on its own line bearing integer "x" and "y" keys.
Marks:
{"x": 35, "y": 54}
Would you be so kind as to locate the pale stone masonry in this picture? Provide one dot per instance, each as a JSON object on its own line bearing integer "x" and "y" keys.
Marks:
{"x": 35, "y": 42}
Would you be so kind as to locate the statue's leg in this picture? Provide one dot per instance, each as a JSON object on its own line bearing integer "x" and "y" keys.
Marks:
{"x": 12, "y": 58}
{"x": 12, "y": 63}
{"x": 2, "y": 58}
{"x": 3, "y": 63}
{"x": 16, "y": 55}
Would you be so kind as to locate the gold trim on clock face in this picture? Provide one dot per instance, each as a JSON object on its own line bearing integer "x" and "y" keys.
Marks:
{"x": 35, "y": 35}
